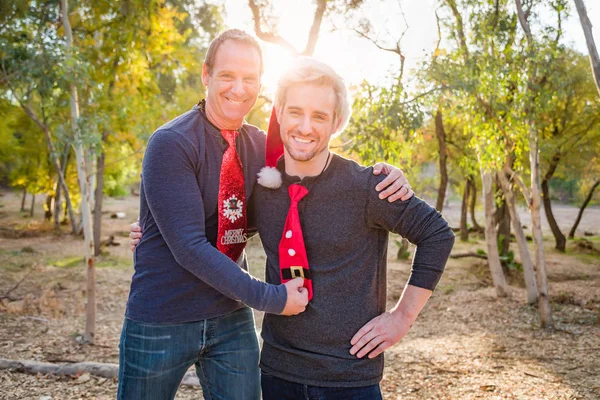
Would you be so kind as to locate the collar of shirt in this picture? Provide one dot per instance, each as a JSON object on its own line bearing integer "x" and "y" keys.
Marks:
{"x": 307, "y": 181}
{"x": 213, "y": 129}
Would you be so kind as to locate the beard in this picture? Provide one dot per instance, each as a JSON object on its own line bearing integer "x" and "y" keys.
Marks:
{"x": 302, "y": 155}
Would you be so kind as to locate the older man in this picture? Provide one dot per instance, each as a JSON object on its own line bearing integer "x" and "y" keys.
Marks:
{"x": 325, "y": 224}
{"x": 190, "y": 290}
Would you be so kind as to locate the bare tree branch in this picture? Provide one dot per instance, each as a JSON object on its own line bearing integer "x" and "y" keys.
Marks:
{"x": 459, "y": 27}
{"x": 439, "y": 32}
{"x": 425, "y": 94}
{"x": 397, "y": 50}
{"x": 576, "y": 137}
{"x": 379, "y": 46}
{"x": 31, "y": 114}
{"x": 268, "y": 36}
{"x": 313, "y": 36}
{"x": 586, "y": 25}
{"x": 266, "y": 98}
{"x": 7, "y": 295}
{"x": 524, "y": 22}
{"x": 517, "y": 178}
{"x": 340, "y": 146}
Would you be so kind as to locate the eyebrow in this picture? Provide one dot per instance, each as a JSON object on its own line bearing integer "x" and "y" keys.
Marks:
{"x": 226, "y": 71}
{"x": 298, "y": 108}
{"x": 322, "y": 114}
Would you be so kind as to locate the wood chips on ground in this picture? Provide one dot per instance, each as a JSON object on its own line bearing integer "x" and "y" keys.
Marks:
{"x": 467, "y": 344}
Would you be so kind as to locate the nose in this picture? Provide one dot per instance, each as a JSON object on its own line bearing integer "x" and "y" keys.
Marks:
{"x": 304, "y": 126}
{"x": 238, "y": 87}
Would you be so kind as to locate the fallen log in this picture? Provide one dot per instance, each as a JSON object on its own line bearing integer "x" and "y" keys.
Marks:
{"x": 464, "y": 255}
{"x": 75, "y": 369}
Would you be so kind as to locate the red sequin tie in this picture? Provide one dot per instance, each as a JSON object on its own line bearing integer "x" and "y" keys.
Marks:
{"x": 232, "y": 233}
{"x": 293, "y": 260}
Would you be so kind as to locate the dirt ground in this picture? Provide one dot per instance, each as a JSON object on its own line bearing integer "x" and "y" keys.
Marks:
{"x": 467, "y": 344}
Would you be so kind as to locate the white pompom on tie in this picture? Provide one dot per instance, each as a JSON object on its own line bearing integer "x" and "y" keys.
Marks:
{"x": 269, "y": 177}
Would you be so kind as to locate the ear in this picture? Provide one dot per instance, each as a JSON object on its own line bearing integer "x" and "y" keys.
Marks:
{"x": 204, "y": 74}
{"x": 278, "y": 112}
{"x": 338, "y": 125}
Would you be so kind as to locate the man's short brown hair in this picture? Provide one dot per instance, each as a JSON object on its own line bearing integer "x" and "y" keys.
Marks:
{"x": 231, "y": 34}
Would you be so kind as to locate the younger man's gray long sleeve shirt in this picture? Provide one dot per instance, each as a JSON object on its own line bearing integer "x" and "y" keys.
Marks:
{"x": 345, "y": 228}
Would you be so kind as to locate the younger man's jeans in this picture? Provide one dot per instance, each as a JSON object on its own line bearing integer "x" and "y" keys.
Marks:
{"x": 274, "y": 388}
{"x": 154, "y": 358}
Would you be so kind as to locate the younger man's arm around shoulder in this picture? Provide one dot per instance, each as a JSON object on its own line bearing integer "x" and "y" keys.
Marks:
{"x": 175, "y": 200}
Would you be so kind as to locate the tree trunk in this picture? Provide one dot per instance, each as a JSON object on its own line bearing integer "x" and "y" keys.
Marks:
{"x": 473, "y": 192}
{"x": 464, "y": 231}
{"x": 443, "y": 152}
{"x": 534, "y": 162}
{"x": 502, "y": 220}
{"x": 69, "y": 205}
{"x": 86, "y": 195}
{"x": 49, "y": 207}
{"x": 502, "y": 217}
{"x": 490, "y": 236}
{"x": 402, "y": 249}
{"x": 583, "y": 206}
{"x": 55, "y": 163}
{"x": 23, "y": 199}
{"x": 540, "y": 260}
{"x": 67, "y": 196}
{"x": 528, "y": 269}
{"x": 586, "y": 25}
{"x": 315, "y": 28}
{"x": 32, "y": 209}
{"x": 61, "y": 176}
{"x": 90, "y": 172}
{"x": 98, "y": 197}
{"x": 57, "y": 208}
{"x": 559, "y": 238}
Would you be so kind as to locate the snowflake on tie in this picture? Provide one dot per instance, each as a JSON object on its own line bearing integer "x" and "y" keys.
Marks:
{"x": 232, "y": 208}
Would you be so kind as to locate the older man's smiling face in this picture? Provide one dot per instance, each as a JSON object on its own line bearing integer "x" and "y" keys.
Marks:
{"x": 233, "y": 84}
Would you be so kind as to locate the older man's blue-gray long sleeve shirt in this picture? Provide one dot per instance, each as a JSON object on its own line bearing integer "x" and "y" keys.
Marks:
{"x": 180, "y": 276}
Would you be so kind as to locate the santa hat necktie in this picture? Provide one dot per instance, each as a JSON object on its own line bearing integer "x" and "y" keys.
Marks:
{"x": 293, "y": 260}
{"x": 232, "y": 233}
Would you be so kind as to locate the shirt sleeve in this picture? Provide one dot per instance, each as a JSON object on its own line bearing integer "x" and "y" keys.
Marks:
{"x": 420, "y": 224}
{"x": 175, "y": 200}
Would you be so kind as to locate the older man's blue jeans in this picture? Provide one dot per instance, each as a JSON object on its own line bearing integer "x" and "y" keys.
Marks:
{"x": 154, "y": 358}
{"x": 274, "y": 388}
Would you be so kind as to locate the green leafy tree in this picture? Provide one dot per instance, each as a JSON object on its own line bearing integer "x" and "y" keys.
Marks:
{"x": 100, "y": 78}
